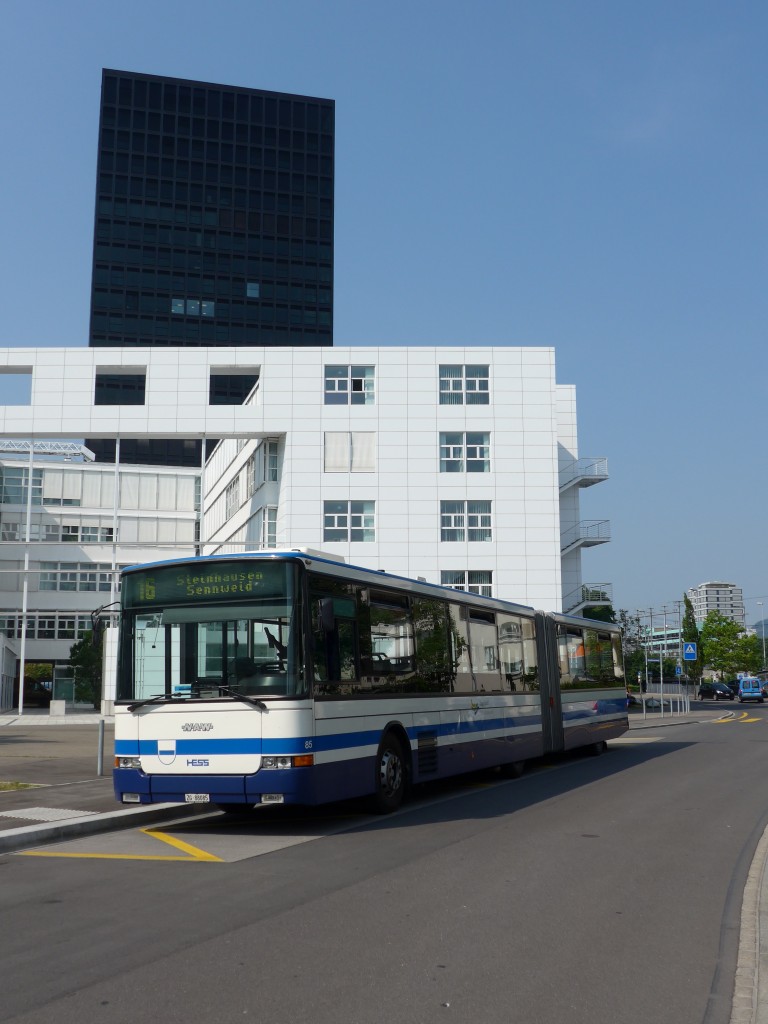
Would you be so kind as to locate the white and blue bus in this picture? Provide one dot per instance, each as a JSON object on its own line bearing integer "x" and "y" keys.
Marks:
{"x": 292, "y": 678}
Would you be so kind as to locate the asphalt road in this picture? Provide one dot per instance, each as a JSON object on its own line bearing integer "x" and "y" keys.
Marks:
{"x": 602, "y": 890}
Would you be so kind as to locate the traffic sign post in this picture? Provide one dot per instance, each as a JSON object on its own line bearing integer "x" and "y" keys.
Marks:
{"x": 690, "y": 650}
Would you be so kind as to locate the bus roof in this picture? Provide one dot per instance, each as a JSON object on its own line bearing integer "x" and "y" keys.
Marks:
{"x": 336, "y": 566}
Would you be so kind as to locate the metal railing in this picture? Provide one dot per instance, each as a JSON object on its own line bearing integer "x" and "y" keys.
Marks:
{"x": 588, "y": 532}
{"x": 585, "y": 472}
{"x": 588, "y": 593}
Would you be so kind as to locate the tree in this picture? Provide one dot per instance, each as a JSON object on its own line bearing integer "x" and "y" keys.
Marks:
{"x": 85, "y": 657}
{"x": 724, "y": 646}
{"x": 600, "y": 612}
{"x": 632, "y": 645}
{"x": 691, "y": 634}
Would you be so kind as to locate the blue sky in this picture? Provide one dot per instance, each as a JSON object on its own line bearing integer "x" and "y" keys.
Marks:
{"x": 588, "y": 175}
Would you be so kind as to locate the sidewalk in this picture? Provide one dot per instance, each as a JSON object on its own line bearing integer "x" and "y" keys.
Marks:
{"x": 58, "y": 759}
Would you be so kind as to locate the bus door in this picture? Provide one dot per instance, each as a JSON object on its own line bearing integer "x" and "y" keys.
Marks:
{"x": 549, "y": 676}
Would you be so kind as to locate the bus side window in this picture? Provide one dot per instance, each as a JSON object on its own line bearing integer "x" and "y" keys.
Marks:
{"x": 334, "y": 639}
{"x": 320, "y": 607}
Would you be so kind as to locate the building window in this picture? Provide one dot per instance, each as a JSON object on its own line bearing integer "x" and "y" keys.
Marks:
{"x": 464, "y": 385}
{"x": 349, "y": 521}
{"x": 232, "y": 500}
{"x": 350, "y": 452}
{"x": 350, "y": 385}
{"x": 13, "y": 485}
{"x": 120, "y": 388}
{"x": 250, "y": 476}
{"x": 269, "y": 527}
{"x": 469, "y": 452}
{"x": 74, "y": 576}
{"x": 252, "y": 290}
{"x": 465, "y": 520}
{"x": 192, "y": 307}
{"x": 474, "y": 581}
{"x": 9, "y": 531}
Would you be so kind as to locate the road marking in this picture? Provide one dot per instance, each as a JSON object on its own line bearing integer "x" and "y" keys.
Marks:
{"x": 192, "y": 853}
{"x": 744, "y": 716}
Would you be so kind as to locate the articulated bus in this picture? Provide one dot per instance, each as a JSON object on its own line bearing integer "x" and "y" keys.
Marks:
{"x": 292, "y": 678}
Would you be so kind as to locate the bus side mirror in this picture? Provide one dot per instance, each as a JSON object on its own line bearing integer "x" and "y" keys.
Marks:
{"x": 97, "y": 631}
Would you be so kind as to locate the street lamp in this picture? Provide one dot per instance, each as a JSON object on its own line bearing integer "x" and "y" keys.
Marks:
{"x": 762, "y": 629}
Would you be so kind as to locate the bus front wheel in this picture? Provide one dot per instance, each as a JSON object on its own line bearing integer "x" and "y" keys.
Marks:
{"x": 391, "y": 782}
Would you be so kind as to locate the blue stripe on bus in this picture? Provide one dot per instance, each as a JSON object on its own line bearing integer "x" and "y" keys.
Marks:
{"x": 363, "y": 738}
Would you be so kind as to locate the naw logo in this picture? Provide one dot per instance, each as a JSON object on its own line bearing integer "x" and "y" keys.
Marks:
{"x": 166, "y": 751}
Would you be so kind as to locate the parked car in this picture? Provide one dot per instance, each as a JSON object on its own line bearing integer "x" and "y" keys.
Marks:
{"x": 751, "y": 689}
{"x": 710, "y": 690}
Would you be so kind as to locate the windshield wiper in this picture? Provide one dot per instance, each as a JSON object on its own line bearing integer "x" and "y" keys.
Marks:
{"x": 157, "y": 699}
{"x": 244, "y": 696}
{"x": 161, "y": 698}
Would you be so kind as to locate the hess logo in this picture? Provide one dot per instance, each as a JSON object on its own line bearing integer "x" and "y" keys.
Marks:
{"x": 198, "y": 762}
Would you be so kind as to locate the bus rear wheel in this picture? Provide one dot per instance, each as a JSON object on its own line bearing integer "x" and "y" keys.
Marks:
{"x": 392, "y": 775}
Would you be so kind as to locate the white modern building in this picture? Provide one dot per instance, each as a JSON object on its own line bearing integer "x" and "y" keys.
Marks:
{"x": 85, "y": 523}
{"x": 725, "y": 598}
{"x": 458, "y": 465}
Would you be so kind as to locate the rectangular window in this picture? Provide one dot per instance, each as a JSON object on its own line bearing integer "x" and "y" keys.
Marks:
{"x": 350, "y": 385}
{"x": 207, "y": 308}
{"x": 474, "y": 581}
{"x": 269, "y": 457}
{"x": 350, "y": 452}
{"x": 252, "y": 290}
{"x": 232, "y": 501}
{"x": 250, "y": 476}
{"x": 349, "y": 521}
{"x": 460, "y": 385}
{"x": 465, "y": 520}
{"x": 269, "y": 527}
{"x": 13, "y": 485}
{"x": 470, "y": 452}
{"x": 65, "y": 629}
{"x": 9, "y": 531}
{"x": 120, "y": 388}
{"x": 177, "y": 306}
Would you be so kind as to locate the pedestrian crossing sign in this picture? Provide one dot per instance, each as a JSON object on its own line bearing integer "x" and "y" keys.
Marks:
{"x": 689, "y": 651}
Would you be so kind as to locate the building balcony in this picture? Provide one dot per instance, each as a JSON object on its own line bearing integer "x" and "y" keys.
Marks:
{"x": 585, "y": 534}
{"x": 588, "y": 595}
{"x": 583, "y": 473}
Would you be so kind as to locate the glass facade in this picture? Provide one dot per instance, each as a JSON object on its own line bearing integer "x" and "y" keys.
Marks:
{"x": 214, "y": 219}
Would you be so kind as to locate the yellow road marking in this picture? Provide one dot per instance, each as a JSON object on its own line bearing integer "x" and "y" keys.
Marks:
{"x": 743, "y": 717}
{"x": 193, "y": 854}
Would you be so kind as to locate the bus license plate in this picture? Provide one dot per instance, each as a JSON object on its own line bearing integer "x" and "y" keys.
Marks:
{"x": 197, "y": 798}
{"x": 272, "y": 798}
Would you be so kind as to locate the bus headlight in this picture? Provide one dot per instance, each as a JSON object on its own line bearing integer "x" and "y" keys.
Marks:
{"x": 302, "y": 761}
{"x": 127, "y": 762}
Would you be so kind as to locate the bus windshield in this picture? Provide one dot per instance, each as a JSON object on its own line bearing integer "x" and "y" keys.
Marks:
{"x": 211, "y": 630}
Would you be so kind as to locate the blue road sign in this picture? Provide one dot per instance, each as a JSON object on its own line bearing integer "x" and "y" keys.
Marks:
{"x": 678, "y": 670}
{"x": 689, "y": 651}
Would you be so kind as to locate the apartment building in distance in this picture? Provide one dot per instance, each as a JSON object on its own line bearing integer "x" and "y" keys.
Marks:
{"x": 726, "y": 598}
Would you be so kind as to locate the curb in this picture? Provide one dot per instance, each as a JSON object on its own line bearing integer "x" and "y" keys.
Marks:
{"x": 14, "y": 839}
